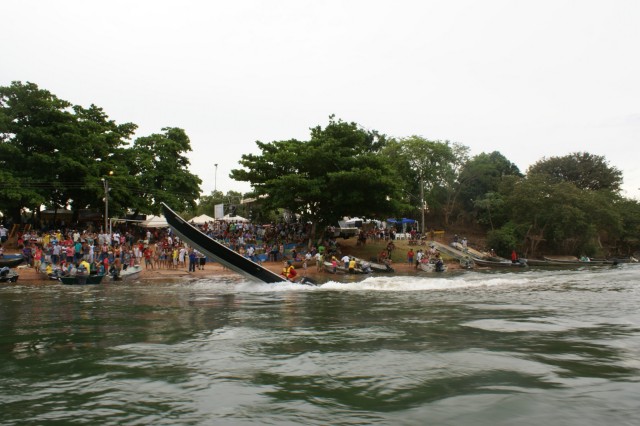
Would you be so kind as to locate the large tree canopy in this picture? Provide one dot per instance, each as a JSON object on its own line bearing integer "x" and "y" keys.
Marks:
{"x": 337, "y": 172}
{"x": 584, "y": 170}
{"x": 162, "y": 170}
{"x": 429, "y": 170}
{"x": 482, "y": 174}
{"x": 55, "y": 154}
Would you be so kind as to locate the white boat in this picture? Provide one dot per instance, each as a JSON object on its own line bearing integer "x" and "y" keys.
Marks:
{"x": 431, "y": 267}
{"x": 129, "y": 274}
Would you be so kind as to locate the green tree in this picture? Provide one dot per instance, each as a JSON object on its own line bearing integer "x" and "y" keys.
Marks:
{"x": 161, "y": 168}
{"x": 482, "y": 174}
{"x": 56, "y": 153}
{"x": 33, "y": 124}
{"x": 584, "y": 170}
{"x": 429, "y": 171}
{"x": 338, "y": 172}
{"x": 559, "y": 216}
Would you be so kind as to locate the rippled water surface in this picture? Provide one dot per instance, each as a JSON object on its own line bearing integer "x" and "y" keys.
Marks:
{"x": 527, "y": 348}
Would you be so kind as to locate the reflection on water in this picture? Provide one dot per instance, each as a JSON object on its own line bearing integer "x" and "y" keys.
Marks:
{"x": 559, "y": 347}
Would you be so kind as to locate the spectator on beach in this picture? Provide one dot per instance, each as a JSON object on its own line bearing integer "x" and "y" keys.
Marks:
{"x": 410, "y": 255}
{"x": 3, "y": 234}
{"x": 319, "y": 262}
{"x": 147, "y": 258}
{"x": 345, "y": 260}
{"x": 352, "y": 265}
{"x": 193, "y": 258}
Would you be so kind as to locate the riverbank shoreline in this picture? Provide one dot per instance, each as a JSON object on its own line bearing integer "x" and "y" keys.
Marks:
{"x": 213, "y": 269}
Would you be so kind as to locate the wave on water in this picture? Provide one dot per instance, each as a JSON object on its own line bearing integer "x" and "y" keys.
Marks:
{"x": 445, "y": 282}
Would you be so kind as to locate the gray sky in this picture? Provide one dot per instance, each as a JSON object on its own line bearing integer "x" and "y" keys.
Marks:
{"x": 527, "y": 78}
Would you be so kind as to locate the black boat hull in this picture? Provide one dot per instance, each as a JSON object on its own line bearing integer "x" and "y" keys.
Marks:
{"x": 218, "y": 251}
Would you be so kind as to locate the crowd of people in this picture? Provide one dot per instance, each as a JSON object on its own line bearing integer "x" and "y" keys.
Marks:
{"x": 61, "y": 251}
{"x": 65, "y": 251}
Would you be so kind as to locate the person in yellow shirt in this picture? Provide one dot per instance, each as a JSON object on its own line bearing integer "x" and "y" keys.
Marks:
{"x": 352, "y": 265}
{"x": 288, "y": 271}
{"x": 86, "y": 264}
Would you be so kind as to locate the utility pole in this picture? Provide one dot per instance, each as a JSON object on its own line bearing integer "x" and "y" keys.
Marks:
{"x": 215, "y": 179}
{"x": 422, "y": 203}
{"x": 105, "y": 183}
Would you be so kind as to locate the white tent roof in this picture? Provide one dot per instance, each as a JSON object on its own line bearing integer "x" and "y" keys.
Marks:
{"x": 228, "y": 218}
{"x": 203, "y": 218}
{"x": 154, "y": 222}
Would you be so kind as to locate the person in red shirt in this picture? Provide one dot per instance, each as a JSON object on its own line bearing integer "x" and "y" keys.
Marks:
{"x": 147, "y": 258}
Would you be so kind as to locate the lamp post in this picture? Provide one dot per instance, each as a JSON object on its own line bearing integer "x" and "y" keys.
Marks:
{"x": 105, "y": 184}
{"x": 215, "y": 179}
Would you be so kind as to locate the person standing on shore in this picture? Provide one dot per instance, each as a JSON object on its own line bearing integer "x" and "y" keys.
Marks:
{"x": 193, "y": 258}
{"x": 319, "y": 262}
{"x": 3, "y": 234}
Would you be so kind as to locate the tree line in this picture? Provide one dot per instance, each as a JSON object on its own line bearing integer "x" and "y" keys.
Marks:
{"x": 58, "y": 155}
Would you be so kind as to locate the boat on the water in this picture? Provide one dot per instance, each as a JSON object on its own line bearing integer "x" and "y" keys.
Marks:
{"x": 81, "y": 279}
{"x": 578, "y": 262}
{"x": 8, "y": 275}
{"x": 501, "y": 264}
{"x": 378, "y": 267}
{"x": 221, "y": 253}
{"x": 129, "y": 274}
{"x": 11, "y": 260}
{"x": 432, "y": 266}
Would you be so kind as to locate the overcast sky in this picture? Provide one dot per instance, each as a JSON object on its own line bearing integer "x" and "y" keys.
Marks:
{"x": 526, "y": 78}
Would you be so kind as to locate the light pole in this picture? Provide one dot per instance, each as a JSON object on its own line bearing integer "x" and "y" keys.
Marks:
{"x": 215, "y": 179}
{"x": 105, "y": 184}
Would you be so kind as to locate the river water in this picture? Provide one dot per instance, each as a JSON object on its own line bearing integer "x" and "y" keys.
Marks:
{"x": 535, "y": 347}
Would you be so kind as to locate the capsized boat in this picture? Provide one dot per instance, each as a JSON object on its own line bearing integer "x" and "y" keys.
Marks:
{"x": 221, "y": 253}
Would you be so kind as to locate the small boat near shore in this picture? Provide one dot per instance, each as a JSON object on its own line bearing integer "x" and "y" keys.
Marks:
{"x": 11, "y": 260}
{"x": 432, "y": 267}
{"x": 129, "y": 274}
{"x": 500, "y": 264}
{"x": 374, "y": 266}
{"x": 8, "y": 275}
{"x": 81, "y": 280}
{"x": 578, "y": 262}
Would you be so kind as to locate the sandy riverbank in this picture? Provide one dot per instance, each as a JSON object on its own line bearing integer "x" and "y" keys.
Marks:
{"x": 210, "y": 270}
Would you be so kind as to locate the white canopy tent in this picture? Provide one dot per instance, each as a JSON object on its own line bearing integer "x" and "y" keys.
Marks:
{"x": 228, "y": 218}
{"x": 154, "y": 222}
{"x": 203, "y": 218}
